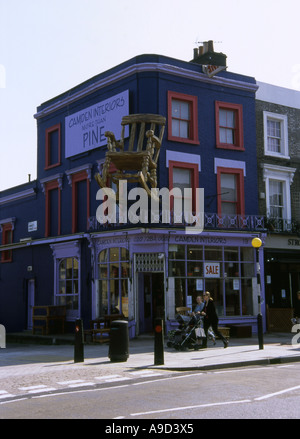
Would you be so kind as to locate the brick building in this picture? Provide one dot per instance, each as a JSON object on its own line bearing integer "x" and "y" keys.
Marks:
{"x": 278, "y": 155}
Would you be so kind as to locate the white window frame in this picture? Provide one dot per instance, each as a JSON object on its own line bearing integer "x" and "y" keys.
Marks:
{"x": 62, "y": 251}
{"x": 284, "y": 175}
{"x": 283, "y": 120}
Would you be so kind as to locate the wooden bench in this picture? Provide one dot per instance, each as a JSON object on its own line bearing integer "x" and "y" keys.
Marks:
{"x": 224, "y": 331}
{"x": 97, "y": 331}
{"x": 43, "y": 315}
{"x": 100, "y": 328}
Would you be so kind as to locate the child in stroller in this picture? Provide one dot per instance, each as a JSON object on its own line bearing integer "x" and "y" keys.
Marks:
{"x": 190, "y": 333}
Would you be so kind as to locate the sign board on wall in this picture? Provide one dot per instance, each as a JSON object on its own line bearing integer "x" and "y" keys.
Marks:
{"x": 85, "y": 129}
{"x": 211, "y": 269}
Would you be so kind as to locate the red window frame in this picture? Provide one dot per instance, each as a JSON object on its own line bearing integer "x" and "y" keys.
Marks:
{"x": 193, "y": 167}
{"x": 52, "y": 185}
{"x": 80, "y": 176}
{"x": 238, "y": 130}
{"x": 240, "y": 203}
{"x": 7, "y": 238}
{"x": 193, "y": 121}
{"x": 49, "y": 131}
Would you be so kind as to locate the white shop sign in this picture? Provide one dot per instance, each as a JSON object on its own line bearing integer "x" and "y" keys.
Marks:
{"x": 85, "y": 129}
{"x": 211, "y": 269}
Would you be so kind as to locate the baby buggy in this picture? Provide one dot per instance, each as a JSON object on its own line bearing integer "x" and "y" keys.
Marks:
{"x": 189, "y": 331}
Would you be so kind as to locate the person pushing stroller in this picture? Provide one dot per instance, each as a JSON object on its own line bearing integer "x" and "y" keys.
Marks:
{"x": 211, "y": 319}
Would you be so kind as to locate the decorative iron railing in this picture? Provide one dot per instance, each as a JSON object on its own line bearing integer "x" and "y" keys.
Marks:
{"x": 282, "y": 225}
{"x": 211, "y": 221}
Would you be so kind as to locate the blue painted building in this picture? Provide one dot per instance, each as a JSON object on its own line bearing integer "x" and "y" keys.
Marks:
{"x": 53, "y": 249}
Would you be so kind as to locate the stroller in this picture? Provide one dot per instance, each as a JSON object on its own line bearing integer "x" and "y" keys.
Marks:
{"x": 185, "y": 337}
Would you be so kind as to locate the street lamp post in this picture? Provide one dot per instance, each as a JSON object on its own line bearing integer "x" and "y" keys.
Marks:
{"x": 256, "y": 243}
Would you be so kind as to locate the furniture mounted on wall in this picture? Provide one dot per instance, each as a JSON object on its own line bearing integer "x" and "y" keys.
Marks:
{"x": 134, "y": 157}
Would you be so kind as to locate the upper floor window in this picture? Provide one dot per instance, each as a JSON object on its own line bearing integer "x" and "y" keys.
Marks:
{"x": 182, "y": 118}
{"x": 275, "y": 134}
{"x": 229, "y": 126}
{"x": 278, "y": 180}
{"x": 183, "y": 176}
{"x": 276, "y": 197}
{"x": 52, "y": 147}
{"x": 230, "y": 184}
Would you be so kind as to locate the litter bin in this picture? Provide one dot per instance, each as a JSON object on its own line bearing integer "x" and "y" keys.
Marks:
{"x": 118, "y": 341}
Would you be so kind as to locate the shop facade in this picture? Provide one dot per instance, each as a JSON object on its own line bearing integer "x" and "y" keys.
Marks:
{"x": 148, "y": 273}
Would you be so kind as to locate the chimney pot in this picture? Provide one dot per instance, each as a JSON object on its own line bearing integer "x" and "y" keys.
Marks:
{"x": 210, "y": 46}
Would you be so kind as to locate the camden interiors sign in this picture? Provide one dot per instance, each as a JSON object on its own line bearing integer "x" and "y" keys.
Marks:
{"x": 85, "y": 129}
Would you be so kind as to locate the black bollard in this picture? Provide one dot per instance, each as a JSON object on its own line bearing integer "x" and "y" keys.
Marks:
{"x": 260, "y": 331}
{"x": 158, "y": 342}
{"x": 78, "y": 344}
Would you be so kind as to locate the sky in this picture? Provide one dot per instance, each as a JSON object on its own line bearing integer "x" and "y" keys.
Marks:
{"x": 48, "y": 47}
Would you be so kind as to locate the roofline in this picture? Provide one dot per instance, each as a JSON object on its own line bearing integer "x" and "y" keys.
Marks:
{"x": 141, "y": 68}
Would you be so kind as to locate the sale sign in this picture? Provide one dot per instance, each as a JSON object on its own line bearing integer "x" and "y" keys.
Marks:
{"x": 211, "y": 269}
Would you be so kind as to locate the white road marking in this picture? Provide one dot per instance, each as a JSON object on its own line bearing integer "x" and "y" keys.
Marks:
{"x": 270, "y": 395}
{"x": 4, "y": 394}
{"x": 189, "y": 407}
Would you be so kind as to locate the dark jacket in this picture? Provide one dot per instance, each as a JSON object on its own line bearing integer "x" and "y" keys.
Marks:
{"x": 210, "y": 311}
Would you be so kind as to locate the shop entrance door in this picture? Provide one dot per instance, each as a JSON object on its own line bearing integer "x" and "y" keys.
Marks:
{"x": 151, "y": 299}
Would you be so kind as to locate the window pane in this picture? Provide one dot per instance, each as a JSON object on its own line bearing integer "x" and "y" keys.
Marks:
{"x": 232, "y": 298}
{"x": 228, "y": 187}
{"x": 247, "y": 299}
{"x": 195, "y": 253}
{"x": 231, "y": 253}
{"x": 175, "y": 108}
{"x": 180, "y": 119}
{"x": 213, "y": 254}
{"x": 276, "y": 198}
{"x": 181, "y": 177}
{"x": 184, "y": 129}
{"x": 274, "y": 135}
{"x": 185, "y": 111}
{"x": 176, "y": 251}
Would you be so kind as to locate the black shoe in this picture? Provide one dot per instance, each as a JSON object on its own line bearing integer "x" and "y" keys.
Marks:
{"x": 225, "y": 344}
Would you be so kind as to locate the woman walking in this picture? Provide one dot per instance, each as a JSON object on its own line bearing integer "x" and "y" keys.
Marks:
{"x": 211, "y": 319}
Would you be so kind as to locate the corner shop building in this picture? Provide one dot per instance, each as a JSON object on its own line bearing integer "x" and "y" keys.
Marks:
{"x": 54, "y": 252}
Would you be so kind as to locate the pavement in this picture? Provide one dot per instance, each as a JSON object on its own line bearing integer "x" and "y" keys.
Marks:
{"x": 277, "y": 348}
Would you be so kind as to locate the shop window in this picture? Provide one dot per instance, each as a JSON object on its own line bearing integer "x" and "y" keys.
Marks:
{"x": 229, "y": 126}
{"x": 230, "y": 285}
{"x": 276, "y": 134}
{"x": 182, "y": 118}
{"x": 113, "y": 278}
{"x": 68, "y": 285}
{"x": 230, "y": 186}
{"x": 7, "y": 238}
{"x": 53, "y": 147}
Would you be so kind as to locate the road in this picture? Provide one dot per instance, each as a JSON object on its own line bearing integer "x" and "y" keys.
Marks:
{"x": 251, "y": 392}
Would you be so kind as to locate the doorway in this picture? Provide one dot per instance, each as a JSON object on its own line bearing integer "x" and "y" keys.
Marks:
{"x": 151, "y": 299}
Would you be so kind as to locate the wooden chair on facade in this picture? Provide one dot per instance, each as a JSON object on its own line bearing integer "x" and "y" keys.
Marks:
{"x": 134, "y": 157}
